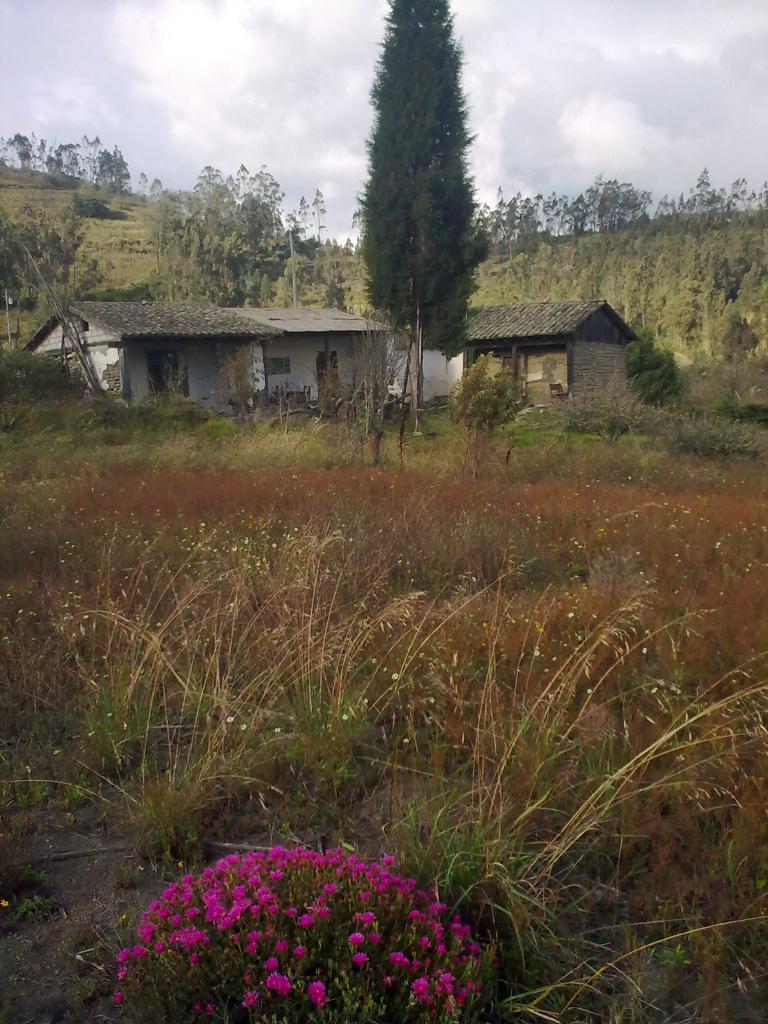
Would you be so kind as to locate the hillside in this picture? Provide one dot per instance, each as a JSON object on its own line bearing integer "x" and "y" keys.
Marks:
{"x": 121, "y": 248}
{"x": 702, "y": 289}
{"x": 699, "y": 281}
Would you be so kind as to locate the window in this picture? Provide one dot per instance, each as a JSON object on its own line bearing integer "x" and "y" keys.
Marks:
{"x": 277, "y": 364}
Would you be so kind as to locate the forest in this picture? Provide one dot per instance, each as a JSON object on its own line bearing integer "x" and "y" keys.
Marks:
{"x": 692, "y": 269}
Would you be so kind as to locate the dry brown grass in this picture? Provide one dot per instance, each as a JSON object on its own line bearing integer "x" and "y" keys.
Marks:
{"x": 548, "y": 694}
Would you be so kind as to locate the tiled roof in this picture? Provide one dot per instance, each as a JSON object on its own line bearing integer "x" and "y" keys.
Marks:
{"x": 195, "y": 320}
{"x": 304, "y": 320}
{"x": 171, "y": 319}
{"x": 531, "y": 319}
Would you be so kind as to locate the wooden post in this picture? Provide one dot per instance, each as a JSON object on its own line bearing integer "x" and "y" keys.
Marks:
{"x": 8, "y": 317}
{"x": 293, "y": 272}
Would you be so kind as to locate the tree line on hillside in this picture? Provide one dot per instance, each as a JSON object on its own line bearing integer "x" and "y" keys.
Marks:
{"x": 88, "y": 159}
{"x": 701, "y": 289}
{"x": 229, "y": 241}
{"x": 608, "y": 205}
{"x": 693, "y": 270}
{"x": 226, "y": 241}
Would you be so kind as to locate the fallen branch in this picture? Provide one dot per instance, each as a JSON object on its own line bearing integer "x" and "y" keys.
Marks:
{"x": 55, "y": 858}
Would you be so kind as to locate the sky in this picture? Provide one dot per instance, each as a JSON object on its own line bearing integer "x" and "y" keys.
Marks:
{"x": 559, "y": 91}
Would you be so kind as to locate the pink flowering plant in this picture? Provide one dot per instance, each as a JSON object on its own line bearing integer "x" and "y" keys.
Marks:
{"x": 295, "y": 935}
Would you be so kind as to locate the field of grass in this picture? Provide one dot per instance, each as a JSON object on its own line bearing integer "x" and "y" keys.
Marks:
{"x": 544, "y": 689}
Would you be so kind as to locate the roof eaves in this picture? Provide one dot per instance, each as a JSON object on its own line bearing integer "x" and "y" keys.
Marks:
{"x": 41, "y": 333}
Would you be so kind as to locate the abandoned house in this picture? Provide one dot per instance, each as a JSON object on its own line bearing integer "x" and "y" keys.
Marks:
{"x": 218, "y": 356}
{"x": 555, "y": 349}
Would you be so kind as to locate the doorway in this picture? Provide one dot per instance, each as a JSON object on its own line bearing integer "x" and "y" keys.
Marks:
{"x": 165, "y": 372}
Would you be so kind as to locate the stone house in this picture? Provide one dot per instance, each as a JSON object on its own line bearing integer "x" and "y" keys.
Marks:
{"x": 555, "y": 349}
{"x": 216, "y": 355}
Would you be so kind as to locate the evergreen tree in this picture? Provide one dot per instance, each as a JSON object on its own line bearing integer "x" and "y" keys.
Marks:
{"x": 734, "y": 338}
{"x": 652, "y": 371}
{"x": 420, "y": 244}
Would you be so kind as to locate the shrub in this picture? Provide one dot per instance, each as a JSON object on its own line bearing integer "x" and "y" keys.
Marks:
{"x": 156, "y": 414}
{"x": 743, "y": 412}
{"x": 89, "y": 205}
{"x": 609, "y": 414}
{"x": 130, "y": 293}
{"x": 652, "y": 371}
{"x": 711, "y": 435}
{"x": 24, "y": 375}
{"x": 294, "y": 935}
{"x": 482, "y": 402}
{"x": 707, "y": 385}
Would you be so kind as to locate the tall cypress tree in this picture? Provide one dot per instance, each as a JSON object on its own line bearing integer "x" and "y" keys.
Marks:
{"x": 420, "y": 241}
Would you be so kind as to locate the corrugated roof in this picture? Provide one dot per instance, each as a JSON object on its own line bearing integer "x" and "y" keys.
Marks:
{"x": 534, "y": 319}
{"x": 304, "y": 320}
{"x": 171, "y": 319}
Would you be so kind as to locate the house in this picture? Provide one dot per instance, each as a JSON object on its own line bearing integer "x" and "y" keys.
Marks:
{"x": 140, "y": 348}
{"x": 554, "y": 349}
{"x": 221, "y": 356}
{"x": 210, "y": 353}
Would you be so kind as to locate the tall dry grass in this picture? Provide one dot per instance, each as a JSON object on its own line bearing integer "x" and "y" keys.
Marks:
{"x": 548, "y": 698}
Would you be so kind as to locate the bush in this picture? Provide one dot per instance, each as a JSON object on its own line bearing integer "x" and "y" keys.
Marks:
{"x": 609, "y": 414}
{"x": 130, "y": 293}
{"x": 652, "y": 371}
{"x": 743, "y": 412}
{"x": 87, "y": 205}
{"x": 482, "y": 402}
{"x": 24, "y": 375}
{"x": 294, "y": 935}
{"x": 153, "y": 415}
{"x": 727, "y": 386}
{"x": 711, "y": 435}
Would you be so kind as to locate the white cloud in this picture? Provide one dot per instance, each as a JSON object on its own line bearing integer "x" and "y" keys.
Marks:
{"x": 258, "y": 81}
{"x": 607, "y": 134}
{"x": 558, "y": 90}
{"x": 68, "y": 100}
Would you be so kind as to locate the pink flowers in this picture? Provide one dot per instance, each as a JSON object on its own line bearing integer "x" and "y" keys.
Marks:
{"x": 262, "y": 923}
{"x": 420, "y": 989}
{"x": 317, "y": 994}
{"x": 279, "y": 984}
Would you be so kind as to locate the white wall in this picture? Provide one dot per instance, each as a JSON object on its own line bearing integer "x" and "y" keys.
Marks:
{"x": 302, "y": 350}
{"x": 210, "y": 368}
{"x": 440, "y": 374}
{"x": 103, "y": 349}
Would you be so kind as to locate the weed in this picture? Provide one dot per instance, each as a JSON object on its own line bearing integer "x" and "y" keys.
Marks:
{"x": 35, "y": 909}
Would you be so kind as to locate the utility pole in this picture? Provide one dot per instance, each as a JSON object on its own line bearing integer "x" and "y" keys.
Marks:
{"x": 8, "y": 317}
{"x": 293, "y": 272}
